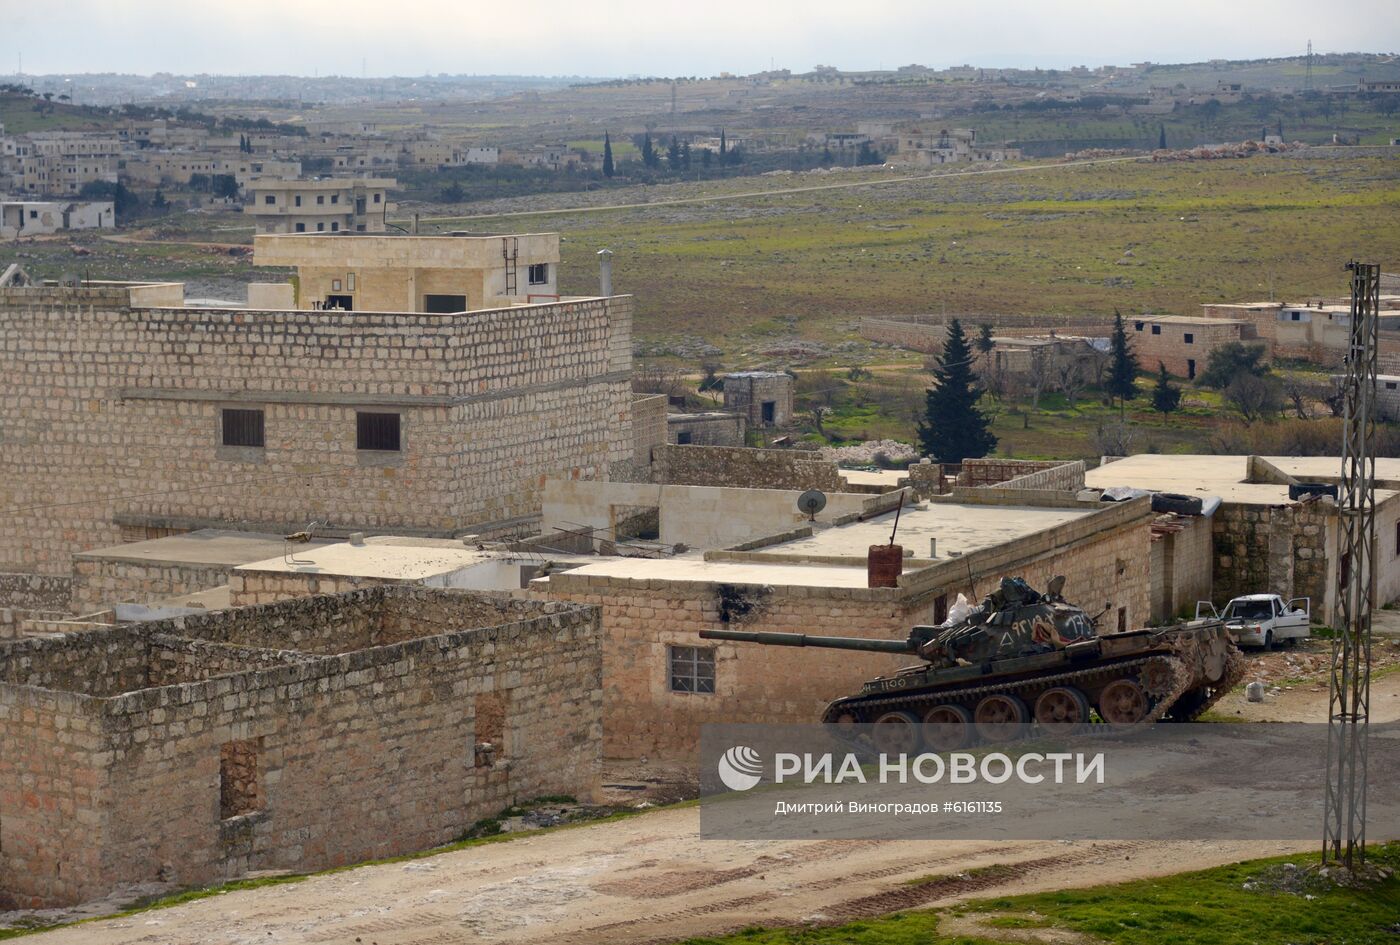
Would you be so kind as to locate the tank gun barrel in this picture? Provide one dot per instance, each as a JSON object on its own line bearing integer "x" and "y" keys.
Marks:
{"x": 805, "y": 639}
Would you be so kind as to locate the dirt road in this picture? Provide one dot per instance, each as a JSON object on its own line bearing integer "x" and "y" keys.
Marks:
{"x": 651, "y": 879}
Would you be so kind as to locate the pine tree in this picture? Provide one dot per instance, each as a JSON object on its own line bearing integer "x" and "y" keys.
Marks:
{"x": 1165, "y": 397}
{"x": 953, "y": 429}
{"x": 608, "y": 168}
{"x": 1162, "y": 137}
{"x": 685, "y": 155}
{"x": 723, "y": 147}
{"x": 985, "y": 341}
{"x": 648, "y": 152}
{"x": 1123, "y": 366}
{"x": 673, "y": 154}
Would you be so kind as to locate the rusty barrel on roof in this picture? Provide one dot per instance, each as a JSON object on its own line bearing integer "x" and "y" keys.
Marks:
{"x": 883, "y": 565}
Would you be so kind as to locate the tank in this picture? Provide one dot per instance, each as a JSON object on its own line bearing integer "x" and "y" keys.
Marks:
{"x": 1026, "y": 658}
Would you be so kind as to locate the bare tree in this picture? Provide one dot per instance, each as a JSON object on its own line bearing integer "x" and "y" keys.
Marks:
{"x": 657, "y": 379}
{"x": 1040, "y": 373}
{"x": 1254, "y": 397}
{"x": 818, "y": 414}
{"x": 1071, "y": 375}
{"x": 1097, "y": 363}
{"x": 1305, "y": 395}
{"x": 1115, "y": 438}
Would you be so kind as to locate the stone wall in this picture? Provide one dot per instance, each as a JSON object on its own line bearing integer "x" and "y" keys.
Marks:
{"x": 24, "y": 595}
{"x": 1105, "y": 556}
{"x": 1064, "y": 477}
{"x": 745, "y": 468}
{"x": 111, "y": 416}
{"x": 101, "y": 582}
{"x": 927, "y": 333}
{"x": 356, "y": 753}
{"x": 648, "y": 426}
{"x": 1182, "y": 566}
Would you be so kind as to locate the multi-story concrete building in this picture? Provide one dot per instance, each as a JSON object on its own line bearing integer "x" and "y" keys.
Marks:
{"x": 380, "y": 273}
{"x": 924, "y": 148}
{"x": 128, "y": 415}
{"x": 322, "y": 205}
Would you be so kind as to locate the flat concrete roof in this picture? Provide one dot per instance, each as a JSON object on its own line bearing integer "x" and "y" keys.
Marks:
{"x": 208, "y": 546}
{"x": 1225, "y": 476}
{"x": 387, "y": 557}
{"x": 958, "y": 527}
{"x": 723, "y": 572}
{"x": 1189, "y": 320}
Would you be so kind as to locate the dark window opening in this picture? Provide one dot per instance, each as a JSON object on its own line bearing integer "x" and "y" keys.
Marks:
{"x": 443, "y": 304}
{"x": 1390, "y": 385}
{"x": 692, "y": 669}
{"x": 335, "y": 227}
{"x": 683, "y": 437}
{"x": 1190, "y": 368}
{"x": 270, "y": 199}
{"x": 240, "y": 790}
{"x": 490, "y": 719}
{"x": 940, "y": 608}
{"x": 376, "y": 198}
{"x": 335, "y": 198}
{"x": 1156, "y": 329}
{"x": 345, "y": 302}
{"x": 1397, "y": 538}
{"x": 359, "y": 205}
{"x": 377, "y": 431}
{"x": 1189, "y": 338}
{"x": 320, "y": 198}
{"x": 243, "y": 427}
{"x": 1122, "y": 619}
{"x": 301, "y": 227}
{"x": 770, "y": 411}
{"x": 320, "y": 227}
{"x": 539, "y": 273}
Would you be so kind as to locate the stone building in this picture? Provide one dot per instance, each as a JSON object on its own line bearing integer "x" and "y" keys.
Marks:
{"x": 296, "y": 736}
{"x": 321, "y": 205}
{"x": 128, "y": 416}
{"x": 711, "y": 428}
{"x": 19, "y": 218}
{"x": 1263, "y": 541}
{"x": 661, "y": 682}
{"x": 1183, "y": 344}
{"x": 1317, "y": 331}
{"x": 762, "y": 398}
{"x": 437, "y": 274}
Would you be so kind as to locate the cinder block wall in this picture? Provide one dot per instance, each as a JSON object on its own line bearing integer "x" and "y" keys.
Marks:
{"x": 112, "y": 416}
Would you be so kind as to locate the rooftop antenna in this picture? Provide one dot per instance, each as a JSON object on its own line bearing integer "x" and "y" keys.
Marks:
{"x": 1307, "y": 76}
{"x": 897, "y": 509}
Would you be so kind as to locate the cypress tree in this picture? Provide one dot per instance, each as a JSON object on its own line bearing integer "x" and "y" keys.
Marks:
{"x": 953, "y": 429}
{"x": 1123, "y": 366}
{"x": 985, "y": 342}
{"x": 1162, "y": 137}
{"x": 608, "y": 168}
{"x": 1165, "y": 397}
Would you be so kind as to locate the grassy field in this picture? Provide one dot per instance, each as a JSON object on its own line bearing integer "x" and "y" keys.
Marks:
{"x": 1260, "y": 902}
{"x": 1052, "y": 240}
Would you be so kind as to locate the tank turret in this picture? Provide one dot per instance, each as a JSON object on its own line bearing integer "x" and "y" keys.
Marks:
{"x": 1022, "y": 657}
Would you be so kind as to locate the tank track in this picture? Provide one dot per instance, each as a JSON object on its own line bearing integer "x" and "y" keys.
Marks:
{"x": 1235, "y": 668}
{"x": 1163, "y": 691}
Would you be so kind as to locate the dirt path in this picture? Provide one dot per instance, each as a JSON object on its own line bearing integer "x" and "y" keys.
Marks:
{"x": 651, "y": 879}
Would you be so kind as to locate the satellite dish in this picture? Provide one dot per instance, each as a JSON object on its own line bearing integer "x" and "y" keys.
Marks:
{"x": 811, "y": 502}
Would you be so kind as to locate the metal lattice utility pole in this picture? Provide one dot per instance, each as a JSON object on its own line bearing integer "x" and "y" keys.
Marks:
{"x": 1344, "y": 827}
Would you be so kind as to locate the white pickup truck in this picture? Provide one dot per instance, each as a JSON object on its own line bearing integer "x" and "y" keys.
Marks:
{"x": 1262, "y": 619}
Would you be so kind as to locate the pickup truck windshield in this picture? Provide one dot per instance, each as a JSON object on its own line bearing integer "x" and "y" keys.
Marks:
{"x": 1249, "y": 610}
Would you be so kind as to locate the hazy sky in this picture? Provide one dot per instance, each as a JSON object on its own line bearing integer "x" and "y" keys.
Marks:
{"x": 665, "y": 37}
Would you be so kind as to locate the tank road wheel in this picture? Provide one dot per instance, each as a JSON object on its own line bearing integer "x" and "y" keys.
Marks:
{"x": 1122, "y": 702}
{"x": 950, "y": 727}
{"x": 1000, "y": 717}
{"x": 896, "y": 733}
{"x": 1062, "y": 709}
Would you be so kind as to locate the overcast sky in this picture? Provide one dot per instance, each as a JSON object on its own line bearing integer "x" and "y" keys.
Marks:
{"x": 665, "y": 37}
